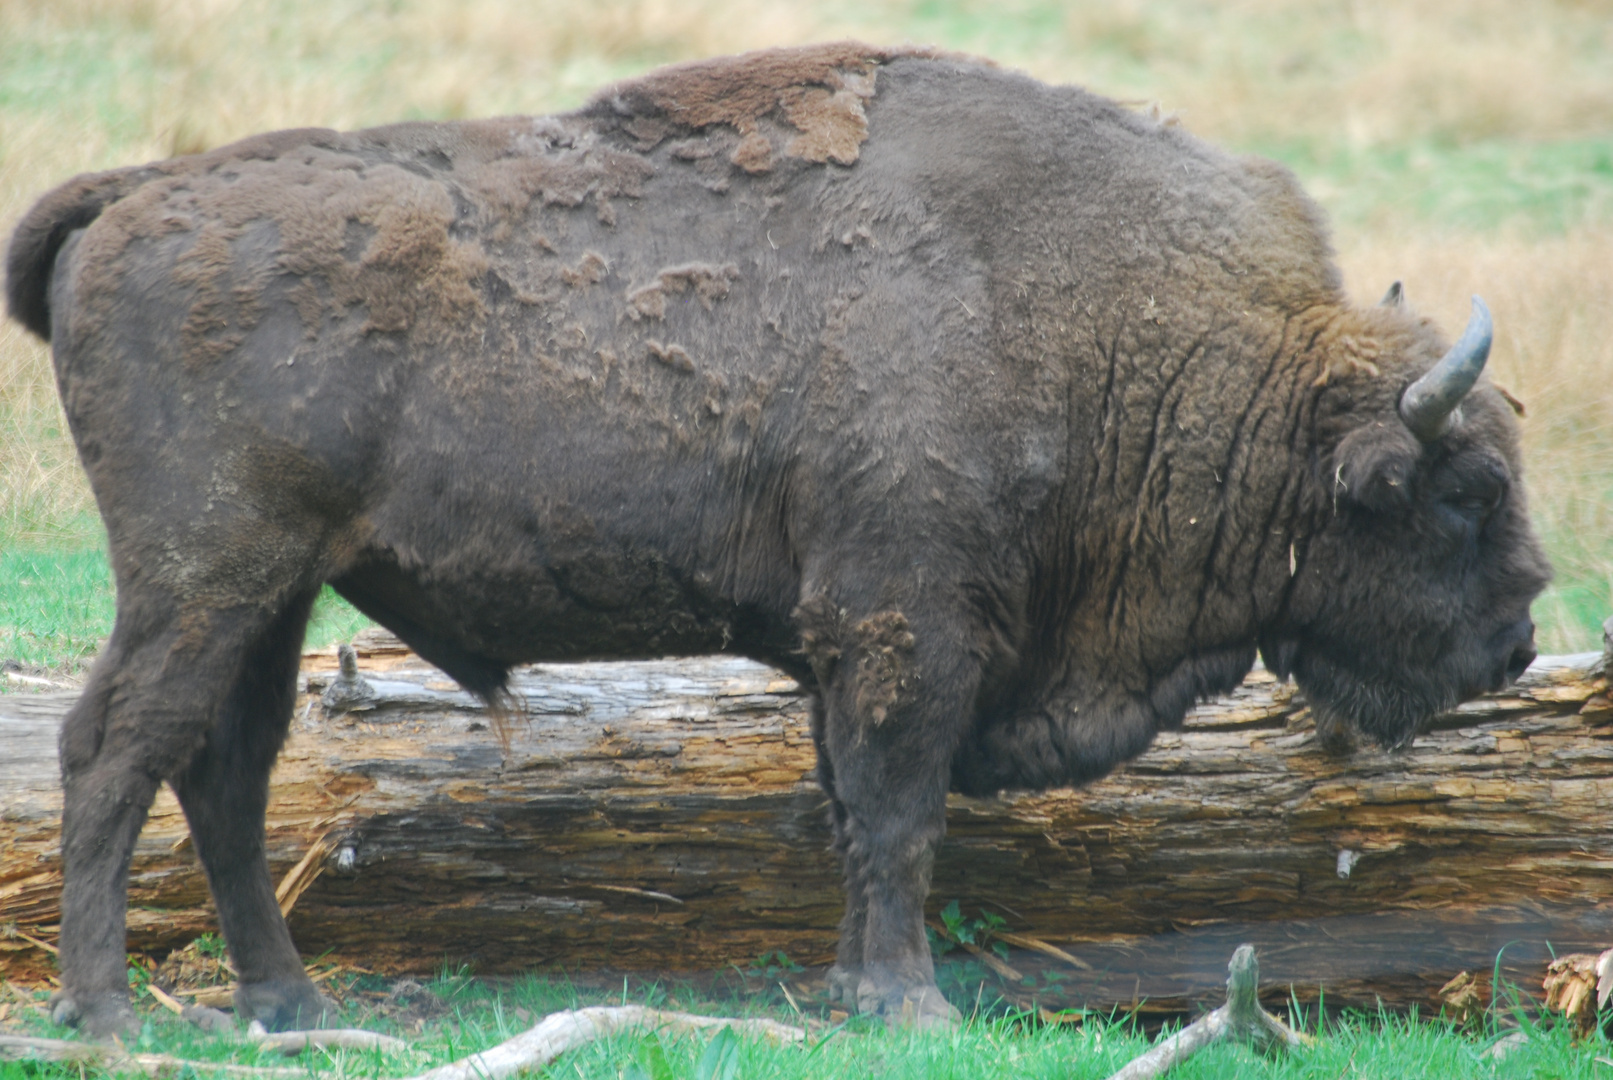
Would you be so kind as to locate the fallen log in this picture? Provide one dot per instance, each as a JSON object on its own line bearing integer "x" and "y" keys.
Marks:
{"x": 662, "y": 815}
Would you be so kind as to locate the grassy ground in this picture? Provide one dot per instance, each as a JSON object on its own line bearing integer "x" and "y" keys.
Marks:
{"x": 1462, "y": 145}
{"x": 454, "y": 1016}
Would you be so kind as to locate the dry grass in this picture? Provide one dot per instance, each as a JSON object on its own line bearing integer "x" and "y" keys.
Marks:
{"x": 93, "y": 83}
{"x": 42, "y": 490}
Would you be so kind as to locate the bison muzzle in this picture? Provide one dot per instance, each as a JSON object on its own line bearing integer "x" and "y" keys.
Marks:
{"x": 1008, "y": 420}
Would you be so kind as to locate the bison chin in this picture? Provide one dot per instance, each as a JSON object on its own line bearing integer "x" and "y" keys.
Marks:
{"x": 1347, "y": 710}
{"x": 1391, "y": 707}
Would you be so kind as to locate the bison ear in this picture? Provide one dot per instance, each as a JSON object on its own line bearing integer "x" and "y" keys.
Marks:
{"x": 1395, "y": 297}
{"x": 1373, "y": 467}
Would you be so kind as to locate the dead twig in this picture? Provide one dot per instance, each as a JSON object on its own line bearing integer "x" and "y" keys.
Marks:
{"x": 562, "y": 1031}
{"x": 1025, "y": 941}
{"x": 552, "y": 1036}
{"x": 295, "y": 1042}
{"x": 165, "y": 1000}
{"x": 1240, "y": 1019}
{"x": 113, "y": 1058}
{"x": 12, "y": 930}
{"x": 999, "y": 967}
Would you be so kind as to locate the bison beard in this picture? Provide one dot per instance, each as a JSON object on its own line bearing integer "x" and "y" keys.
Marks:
{"x": 1006, "y": 419}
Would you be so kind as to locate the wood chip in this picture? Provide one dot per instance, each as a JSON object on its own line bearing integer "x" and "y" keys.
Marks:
{"x": 648, "y": 894}
{"x": 165, "y": 1000}
{"x": 214, "y": 997}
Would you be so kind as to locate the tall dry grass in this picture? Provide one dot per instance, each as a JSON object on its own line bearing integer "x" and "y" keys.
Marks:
{"x": 88, "y": 84}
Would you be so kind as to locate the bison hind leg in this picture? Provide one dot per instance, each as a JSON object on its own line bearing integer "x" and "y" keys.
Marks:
{"x": 199, "y": 695}
{"x": 224, "y": 791}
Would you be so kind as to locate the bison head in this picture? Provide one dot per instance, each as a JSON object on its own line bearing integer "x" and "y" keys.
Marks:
{"x": 1412, "y": 581}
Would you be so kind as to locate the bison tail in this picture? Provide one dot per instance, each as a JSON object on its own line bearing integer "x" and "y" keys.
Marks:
{"x": 31, "y": 256}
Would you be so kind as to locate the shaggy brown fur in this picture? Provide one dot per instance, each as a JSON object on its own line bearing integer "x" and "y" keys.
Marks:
{"x": 1009, "y": 420}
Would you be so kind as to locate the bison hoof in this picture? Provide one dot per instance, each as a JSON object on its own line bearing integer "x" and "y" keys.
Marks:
{"x": 100, "y": 1016}
{"x": 284, "y": 1006}
{"x": 920, "y": 1007}
{"x": 842, "y": 985}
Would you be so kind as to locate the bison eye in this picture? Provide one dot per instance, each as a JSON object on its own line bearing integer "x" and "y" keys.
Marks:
{"x": 1477, "y": 503}
{"x": 1474, "y": 490}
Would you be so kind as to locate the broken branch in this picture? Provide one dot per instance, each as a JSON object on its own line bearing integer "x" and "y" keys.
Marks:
{"x": 1241, "y": 1019}
{"x": 559, "y": 1032}
{"x": 112, "y": 1058}
{"x": 295, "y": 1042}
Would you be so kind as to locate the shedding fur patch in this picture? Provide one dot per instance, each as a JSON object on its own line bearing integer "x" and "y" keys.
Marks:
{"x": 378, "y": 237}
{"x": 675, "y": 357}
{"x": 1351, "y": 356}
{"x": 884, "y": 652}
{"x": 832, "y": 125}
{"x": 877, "y": 651}
{"x": 590, "y": 269}
{"x": 709, "y": 283}
{"x": 817, "y": 90}
{"x": 557, "y": 167}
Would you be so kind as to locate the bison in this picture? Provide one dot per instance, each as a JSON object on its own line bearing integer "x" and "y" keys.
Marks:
{"x": 1006, "y": 419}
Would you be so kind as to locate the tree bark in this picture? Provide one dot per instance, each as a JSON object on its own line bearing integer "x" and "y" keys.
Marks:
{"x": 662, "y": 815}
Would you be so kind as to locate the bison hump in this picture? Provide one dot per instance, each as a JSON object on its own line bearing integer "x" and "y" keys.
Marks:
{"x": 817, "y": 91}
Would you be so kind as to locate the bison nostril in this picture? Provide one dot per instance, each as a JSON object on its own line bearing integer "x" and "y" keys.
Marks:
{"x": 1522, "y": 657}
{"x": 1517, "y": 644}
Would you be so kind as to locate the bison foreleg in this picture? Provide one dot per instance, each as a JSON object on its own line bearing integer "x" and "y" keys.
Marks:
{"x": 225, "y": 792}
{"x": 895, "y": 703}
{"x": 844, "y": 977}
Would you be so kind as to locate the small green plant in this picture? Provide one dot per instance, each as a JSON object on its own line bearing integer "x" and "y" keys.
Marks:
{"x": 212, "y": 946}
{"x": 652, "y": 1063}
{"x": 721, "y": 1058}
{"x": 773, "y": 963}
{"x": 957, "y": 929}
{"x": 141, "y": 969}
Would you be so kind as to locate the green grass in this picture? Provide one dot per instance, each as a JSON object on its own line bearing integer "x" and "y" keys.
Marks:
{"x": 469, "y": 1015}
{"x": 57, "y": 602}
{"x": 55, "y": 606}
{"x": 1535, "y": 188}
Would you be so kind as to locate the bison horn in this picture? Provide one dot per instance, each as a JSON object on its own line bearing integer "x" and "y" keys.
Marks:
{"x": 1428, "y": 404}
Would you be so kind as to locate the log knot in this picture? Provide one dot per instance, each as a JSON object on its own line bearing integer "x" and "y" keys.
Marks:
{"x": 349, "y": 690}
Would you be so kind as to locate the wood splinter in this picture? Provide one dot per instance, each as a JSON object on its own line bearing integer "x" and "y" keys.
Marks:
{"x": 1241, "y": 1019}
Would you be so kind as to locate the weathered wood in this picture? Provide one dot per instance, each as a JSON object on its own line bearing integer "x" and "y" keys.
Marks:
{"x": 662, "y": 815}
